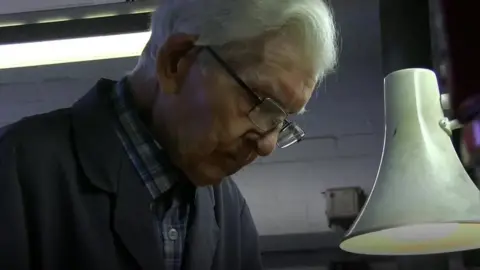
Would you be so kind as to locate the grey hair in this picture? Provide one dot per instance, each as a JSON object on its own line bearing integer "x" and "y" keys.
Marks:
{"x": 221, "y": 23}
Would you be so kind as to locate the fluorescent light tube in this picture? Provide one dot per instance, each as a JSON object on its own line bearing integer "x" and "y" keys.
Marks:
{"x": 72, "y": 50}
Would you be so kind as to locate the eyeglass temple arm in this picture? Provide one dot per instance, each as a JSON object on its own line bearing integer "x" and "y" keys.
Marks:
{"x": 232, "y": 73}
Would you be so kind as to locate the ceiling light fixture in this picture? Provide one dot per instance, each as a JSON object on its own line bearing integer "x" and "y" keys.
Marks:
{"x": 72, "y": 50}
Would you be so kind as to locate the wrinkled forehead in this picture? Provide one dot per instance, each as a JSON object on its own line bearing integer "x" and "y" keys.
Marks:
{"x": 275, "y": 69}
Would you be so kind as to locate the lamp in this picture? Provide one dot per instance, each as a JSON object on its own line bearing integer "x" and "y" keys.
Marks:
{"x": 423, "y": 201}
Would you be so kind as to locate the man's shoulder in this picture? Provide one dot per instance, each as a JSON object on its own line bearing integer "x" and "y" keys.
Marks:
{"x": 46, "y": 129}
{"x": 3, "y": 130}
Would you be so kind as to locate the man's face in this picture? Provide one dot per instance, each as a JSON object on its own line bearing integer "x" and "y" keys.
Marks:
{"x": 210, "y": 133}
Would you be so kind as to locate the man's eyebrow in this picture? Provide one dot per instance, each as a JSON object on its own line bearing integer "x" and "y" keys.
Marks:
{"x": 280, "y": 103}
{"x": 268, "y": 91}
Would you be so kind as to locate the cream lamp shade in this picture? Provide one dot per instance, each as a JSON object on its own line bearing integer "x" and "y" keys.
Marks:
{"x": 422, "y": 201}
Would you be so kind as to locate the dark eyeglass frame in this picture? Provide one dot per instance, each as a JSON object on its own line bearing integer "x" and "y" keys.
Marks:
{"x": 286, "y": 125}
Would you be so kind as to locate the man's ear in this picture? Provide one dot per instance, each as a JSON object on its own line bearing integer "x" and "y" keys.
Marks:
{"x": 174, "y": 60}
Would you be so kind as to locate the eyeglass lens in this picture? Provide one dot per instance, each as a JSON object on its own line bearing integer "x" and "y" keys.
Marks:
{"x": 290, "y": 134}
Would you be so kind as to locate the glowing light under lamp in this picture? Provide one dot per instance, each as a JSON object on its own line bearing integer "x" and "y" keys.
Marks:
{"x": 421, "y": 232}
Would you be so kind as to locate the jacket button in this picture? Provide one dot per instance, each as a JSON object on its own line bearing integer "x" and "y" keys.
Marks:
{"x": 173, "y": 234}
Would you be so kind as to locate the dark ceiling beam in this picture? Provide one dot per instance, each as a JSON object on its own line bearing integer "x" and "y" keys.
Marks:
{"x": 84, "y": 21}
{"x": 121, "y": 24}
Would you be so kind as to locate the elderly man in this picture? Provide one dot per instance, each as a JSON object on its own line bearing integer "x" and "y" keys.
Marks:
{"x": 135, "y": 175}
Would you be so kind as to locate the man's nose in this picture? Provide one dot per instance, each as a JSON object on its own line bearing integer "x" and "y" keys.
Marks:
{"x": 267, "y": 143}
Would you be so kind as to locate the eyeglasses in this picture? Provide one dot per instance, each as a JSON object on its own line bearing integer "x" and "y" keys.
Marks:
{"x": 266, "y": 114}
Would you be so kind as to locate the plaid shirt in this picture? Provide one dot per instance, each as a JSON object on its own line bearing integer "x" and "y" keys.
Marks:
{"x": 164, "y": 181}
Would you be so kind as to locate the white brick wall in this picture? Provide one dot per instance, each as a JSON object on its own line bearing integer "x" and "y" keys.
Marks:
{"x": 286, "y": 194}
{"x": 344, "y": 124}
{"x": 32, "y": 90}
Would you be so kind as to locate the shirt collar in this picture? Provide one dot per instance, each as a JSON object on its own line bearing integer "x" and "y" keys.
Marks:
{"x": 151, "y": 162}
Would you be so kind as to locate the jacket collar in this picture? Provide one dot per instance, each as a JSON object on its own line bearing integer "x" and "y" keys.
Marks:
{"x": 108, "y": 167}
{"x": 99, "y": 149}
